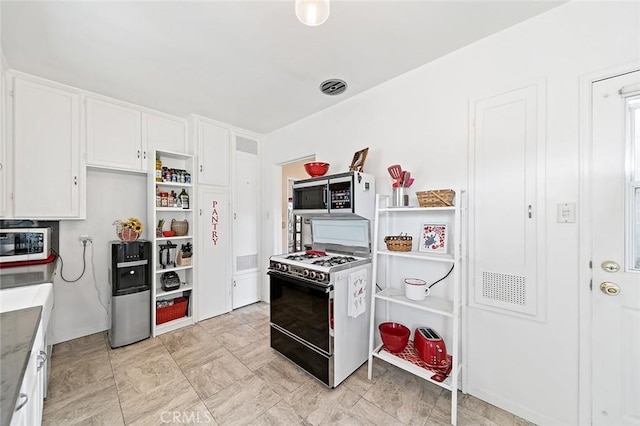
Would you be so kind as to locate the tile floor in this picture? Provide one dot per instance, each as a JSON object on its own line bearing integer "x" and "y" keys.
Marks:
{"x": 222, "y": 372}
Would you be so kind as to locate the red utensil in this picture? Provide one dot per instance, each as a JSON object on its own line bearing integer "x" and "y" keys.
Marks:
{"x": 395, "y": 171}
{"x": 408, "y": 183}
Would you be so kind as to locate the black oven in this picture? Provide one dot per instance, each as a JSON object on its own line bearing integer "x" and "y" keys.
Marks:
{"x": 301, "y": 323}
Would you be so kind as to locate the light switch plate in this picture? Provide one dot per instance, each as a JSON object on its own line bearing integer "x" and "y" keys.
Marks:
{"x": 566, "y": 212}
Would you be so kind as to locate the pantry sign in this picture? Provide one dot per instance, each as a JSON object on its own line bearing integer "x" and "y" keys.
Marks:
{"x": 215, "y": 221}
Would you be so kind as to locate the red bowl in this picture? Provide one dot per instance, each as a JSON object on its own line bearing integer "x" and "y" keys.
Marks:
{"x": 168, "y": 233}
{"x": 394, "y": 336}
{"x": 316, "y": 169}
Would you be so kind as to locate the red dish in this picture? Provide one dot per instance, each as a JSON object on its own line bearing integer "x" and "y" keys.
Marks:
{"x": 394, "y": 336}
{"x": 316, "y": 169}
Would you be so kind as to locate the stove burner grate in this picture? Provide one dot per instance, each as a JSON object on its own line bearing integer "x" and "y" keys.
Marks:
{"x": 335, "y": 260}
{"x": 302, "y": 256}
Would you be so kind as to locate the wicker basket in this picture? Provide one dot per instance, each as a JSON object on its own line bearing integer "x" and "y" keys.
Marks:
{"x": 436, "y": 198}
{"x": 127, "y": 234}
{"x": 180, "y": 227}
{"x": 398, "y": 242}
{"x": 173, "y": 312}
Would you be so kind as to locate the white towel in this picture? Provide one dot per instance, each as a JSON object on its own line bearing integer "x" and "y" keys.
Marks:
{"x": 357, "y": 293}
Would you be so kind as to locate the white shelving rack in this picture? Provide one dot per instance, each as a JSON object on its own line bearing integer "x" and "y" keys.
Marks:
{"x": 444, "y": 306}
{"x": 186, "y": 273}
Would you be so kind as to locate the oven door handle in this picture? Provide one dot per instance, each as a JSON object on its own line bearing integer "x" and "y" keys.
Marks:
{"x": 301, "y": 282}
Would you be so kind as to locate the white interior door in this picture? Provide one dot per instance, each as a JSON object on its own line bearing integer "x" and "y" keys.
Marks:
{"x": 615, "y": 200}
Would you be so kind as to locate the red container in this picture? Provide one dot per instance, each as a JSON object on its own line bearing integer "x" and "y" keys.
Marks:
{"x": 170, "y": 313}
{"x": 394, "y": 336}
{"x": 316, "y": 169}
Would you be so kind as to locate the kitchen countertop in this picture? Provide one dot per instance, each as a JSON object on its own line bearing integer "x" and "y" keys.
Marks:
{"x": 18, "y": 331}
{"x": 18, "y": 276}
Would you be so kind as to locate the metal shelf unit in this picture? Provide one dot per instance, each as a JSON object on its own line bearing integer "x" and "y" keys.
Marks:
{"x": 451, "y": 307}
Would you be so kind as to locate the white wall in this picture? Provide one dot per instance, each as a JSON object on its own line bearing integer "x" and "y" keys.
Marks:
{"x": 420, "y": 120}
{"x": 111, "y": 195}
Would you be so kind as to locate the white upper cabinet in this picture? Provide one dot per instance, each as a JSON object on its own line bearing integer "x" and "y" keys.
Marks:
{"x": 3, "y": 146}
{"x": 214, "y": 157}
{"x": 47, "y": 154}
{"x": 114, "y": 136}
{"x": 163, "y": 133}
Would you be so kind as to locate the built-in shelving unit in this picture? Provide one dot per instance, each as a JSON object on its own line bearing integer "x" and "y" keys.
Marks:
{"x": 188, "y": 288}
{"x": 444, "y": 306}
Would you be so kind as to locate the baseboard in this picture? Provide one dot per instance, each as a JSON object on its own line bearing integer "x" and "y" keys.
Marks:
{"x": 76, "y": 333}
{"x": 512, "y": 407}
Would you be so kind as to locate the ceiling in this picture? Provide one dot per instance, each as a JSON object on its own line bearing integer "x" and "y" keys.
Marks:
{"x": 251, "y": 64}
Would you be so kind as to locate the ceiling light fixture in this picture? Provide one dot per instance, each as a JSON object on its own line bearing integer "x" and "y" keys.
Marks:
{"x": 312, "y": 12}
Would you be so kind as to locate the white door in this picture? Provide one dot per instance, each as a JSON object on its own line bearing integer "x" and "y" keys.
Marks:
{"x": 214, "y": 254}
{"x": 615, "y": 202}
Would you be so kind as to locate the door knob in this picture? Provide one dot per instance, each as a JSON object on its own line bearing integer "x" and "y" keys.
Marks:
{"x": 610, "y": 289}
{"x": 610, "y": 266}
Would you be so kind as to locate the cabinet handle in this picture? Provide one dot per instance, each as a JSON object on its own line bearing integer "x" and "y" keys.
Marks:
{"x": 144, "y": 154}
{"x": 201, "y": 167}
{"x": 0, "y": 166}
{"x": 234, "y": 283}
{"x": 138, "y": 153}
{"x": 23, "y": 403}
{"x": 42, "y": 357}
{"x": 75, "y": 180}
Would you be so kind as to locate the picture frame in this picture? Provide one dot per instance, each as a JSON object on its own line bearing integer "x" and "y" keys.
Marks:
{"x": 433, "y": 238}
{"x": 357, "y": 164}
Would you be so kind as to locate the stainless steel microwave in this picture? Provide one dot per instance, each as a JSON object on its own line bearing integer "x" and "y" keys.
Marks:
{"x": 344, "y": 195}
{"x": 24, "y": 244}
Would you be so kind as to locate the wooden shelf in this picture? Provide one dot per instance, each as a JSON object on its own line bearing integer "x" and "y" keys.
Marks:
{"x": 429, "y": 304}
{"x": 183, "y": 287}
{"x": 175, "y": 184}
{"x": 174, "y": 325}
{"x": 411, "y": 367}
{"x": 435, "y": 257}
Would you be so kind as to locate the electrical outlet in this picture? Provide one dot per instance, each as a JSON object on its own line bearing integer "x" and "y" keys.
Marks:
{"x": 86, "y": 238}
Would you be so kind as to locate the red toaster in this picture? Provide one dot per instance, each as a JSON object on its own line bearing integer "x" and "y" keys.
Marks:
{"x": 430, "y": 346}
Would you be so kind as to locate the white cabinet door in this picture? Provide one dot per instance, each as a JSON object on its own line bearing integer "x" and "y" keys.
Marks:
{"x": 214, "y": 253}
{"x": 163, "y": 133}
{"x": 246, "y": 290}
{"x": 213, "y": 154}
{"x": 114, "y": 136}
{"x": 46, "y": 151}
{"x": 246, "y": 224}
{"x": 3, "y": 146}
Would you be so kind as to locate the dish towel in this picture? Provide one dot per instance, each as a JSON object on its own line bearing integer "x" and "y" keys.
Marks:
{"x": 357, "y": 293}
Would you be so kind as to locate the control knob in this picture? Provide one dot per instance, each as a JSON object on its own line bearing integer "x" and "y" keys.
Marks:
{"x": 321, "y": 276}
{"x": 305, "y": 272}
{"x": 312, "y": 274}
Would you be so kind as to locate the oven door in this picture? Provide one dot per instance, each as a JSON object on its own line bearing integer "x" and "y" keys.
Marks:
{"x": 310, "y": 197}
{"x": 302, "y": 309}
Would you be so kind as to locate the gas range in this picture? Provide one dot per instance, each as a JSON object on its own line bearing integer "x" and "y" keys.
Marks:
{"x": 316, "y": 266}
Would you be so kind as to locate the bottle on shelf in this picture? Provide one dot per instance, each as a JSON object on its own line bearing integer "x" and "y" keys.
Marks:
{"x": 158, "y": 197}
{"x": 184, "y": 197}
{"x": 158, "y": 169}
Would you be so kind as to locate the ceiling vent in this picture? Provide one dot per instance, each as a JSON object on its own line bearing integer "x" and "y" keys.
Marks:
{"x": 333, "y": 87}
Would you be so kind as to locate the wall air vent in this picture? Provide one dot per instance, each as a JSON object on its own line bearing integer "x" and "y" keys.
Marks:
{"x": 246, "y": 145}
{"x": 333, "y": 87}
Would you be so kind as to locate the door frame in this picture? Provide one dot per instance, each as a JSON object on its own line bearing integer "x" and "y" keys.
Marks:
{"x": 585, "y": 227}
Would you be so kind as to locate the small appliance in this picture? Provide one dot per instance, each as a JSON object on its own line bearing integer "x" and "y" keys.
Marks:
{"x": 430, "y": 347}
{"x": 24, "y": 244}
{"x": 344, "y": 195}
{"x": 170, "y": 281}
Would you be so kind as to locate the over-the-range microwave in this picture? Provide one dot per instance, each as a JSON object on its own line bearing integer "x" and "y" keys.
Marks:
{"x": 24, "y": 244}
{"x": 350, "y": 194}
